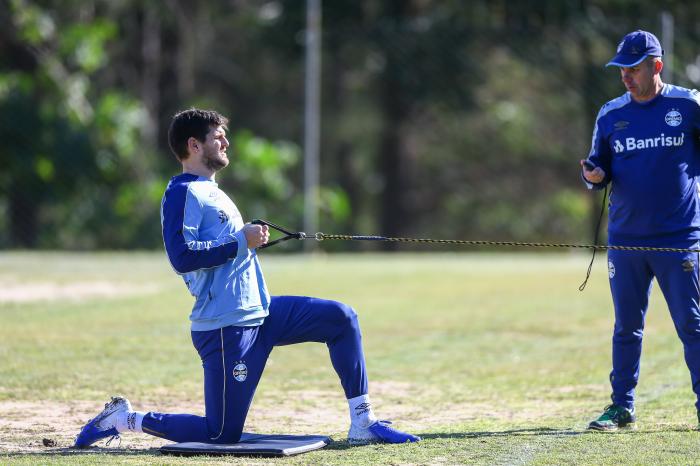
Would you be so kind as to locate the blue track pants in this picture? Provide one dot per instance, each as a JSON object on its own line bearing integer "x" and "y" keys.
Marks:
{"x": 631, "y": 274}
{"x": 233, "y": 359}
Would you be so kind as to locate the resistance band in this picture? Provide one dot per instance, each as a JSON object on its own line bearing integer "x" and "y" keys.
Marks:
{"x": 324, "y": 236}
{"x": 300, "y": 235}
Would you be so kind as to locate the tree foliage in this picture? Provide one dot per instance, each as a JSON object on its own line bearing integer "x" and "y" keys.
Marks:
{"x": 443, "y": 118}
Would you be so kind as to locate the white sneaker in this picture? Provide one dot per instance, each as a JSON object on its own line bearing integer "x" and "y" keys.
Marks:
{"x": 379, "y": 431}
{"x": 361, "y": 435}
{"x": 104, "y": 424}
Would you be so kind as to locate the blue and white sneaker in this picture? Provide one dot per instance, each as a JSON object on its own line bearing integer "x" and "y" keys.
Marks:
{"x": 379, "y": 432}
{"x": 104, "y": 424}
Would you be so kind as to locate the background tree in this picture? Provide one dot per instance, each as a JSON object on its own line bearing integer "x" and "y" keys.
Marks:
{"x": 440, "y": 118}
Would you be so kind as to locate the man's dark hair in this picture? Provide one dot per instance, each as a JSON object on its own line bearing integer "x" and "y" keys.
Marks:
{"x": 191, "y": 123}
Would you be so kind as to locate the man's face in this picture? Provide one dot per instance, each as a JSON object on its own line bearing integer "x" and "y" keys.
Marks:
{"x": 639, "y": 80}
{"x": 214, "y": 149}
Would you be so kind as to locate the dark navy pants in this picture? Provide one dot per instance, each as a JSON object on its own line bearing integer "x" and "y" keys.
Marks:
{"x": 631, "y": 274}
{"x": 233, "y": 359}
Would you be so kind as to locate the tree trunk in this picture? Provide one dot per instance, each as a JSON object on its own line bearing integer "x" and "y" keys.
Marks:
{"x": 395, "y": 108}
{"x": 591, "y": 104}
{"x": 24, "y": 213}
{"x": 391, "y": 155}
{"x": 150, "y": 91}
{"x": 341, "y": 167}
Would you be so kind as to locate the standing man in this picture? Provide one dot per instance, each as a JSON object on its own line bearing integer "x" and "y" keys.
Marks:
{"x": 235, "y": 322}
{"x": 645, "y": 143}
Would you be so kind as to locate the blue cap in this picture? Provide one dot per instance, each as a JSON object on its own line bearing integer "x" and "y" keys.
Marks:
{"x": 635, "y": 47}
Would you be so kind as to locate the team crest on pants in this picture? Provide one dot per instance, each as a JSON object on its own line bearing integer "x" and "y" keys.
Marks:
{"x": 240, "y": 371}
{"x": 688, "y": 265}
{"x": 611, "y": 269}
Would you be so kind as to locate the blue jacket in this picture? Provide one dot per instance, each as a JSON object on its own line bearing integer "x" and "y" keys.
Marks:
{"x": 205, "y": 245}
{"x": 651, "y": 155}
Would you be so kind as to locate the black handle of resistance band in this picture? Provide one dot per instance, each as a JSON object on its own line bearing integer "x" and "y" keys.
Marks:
{"x": 289, "y": 234}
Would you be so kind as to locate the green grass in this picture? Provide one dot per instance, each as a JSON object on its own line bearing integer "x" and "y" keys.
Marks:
{"x": 492, "y": 358}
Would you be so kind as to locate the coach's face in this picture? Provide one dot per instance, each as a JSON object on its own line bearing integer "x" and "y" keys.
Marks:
{"x": 639, "y": 79}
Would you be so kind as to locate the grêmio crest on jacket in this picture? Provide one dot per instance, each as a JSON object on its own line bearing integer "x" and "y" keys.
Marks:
{"x": 667, "y": 134}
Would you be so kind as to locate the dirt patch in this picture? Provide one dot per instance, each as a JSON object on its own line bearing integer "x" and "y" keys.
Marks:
{"x": 25, "y": 427}
{"x": 32, "y": 427}
{"x": 75, "y": 291}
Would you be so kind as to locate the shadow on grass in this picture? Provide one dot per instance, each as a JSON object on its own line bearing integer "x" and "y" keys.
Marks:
{"x": 503, "y": 433}
{"x": 344, "y": 445}
{"x": 643, "y": 431}
{"x": 553, "y": 432}
{"x": 538, "y": 431}
{"x": 93, "y": 451}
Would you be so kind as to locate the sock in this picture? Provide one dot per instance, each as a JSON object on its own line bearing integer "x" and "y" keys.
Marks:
{"x": 361, "y": 413}
{"x": 130, "y": 421}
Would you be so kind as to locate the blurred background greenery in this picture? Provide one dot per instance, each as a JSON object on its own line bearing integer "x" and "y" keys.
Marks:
{"x": 444, "y": 118}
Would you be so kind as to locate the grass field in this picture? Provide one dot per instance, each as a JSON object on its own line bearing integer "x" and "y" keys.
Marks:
{"x": 491, "y": 358}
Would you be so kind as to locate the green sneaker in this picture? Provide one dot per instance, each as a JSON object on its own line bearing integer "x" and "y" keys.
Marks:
{"x": 614, "y": 417}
